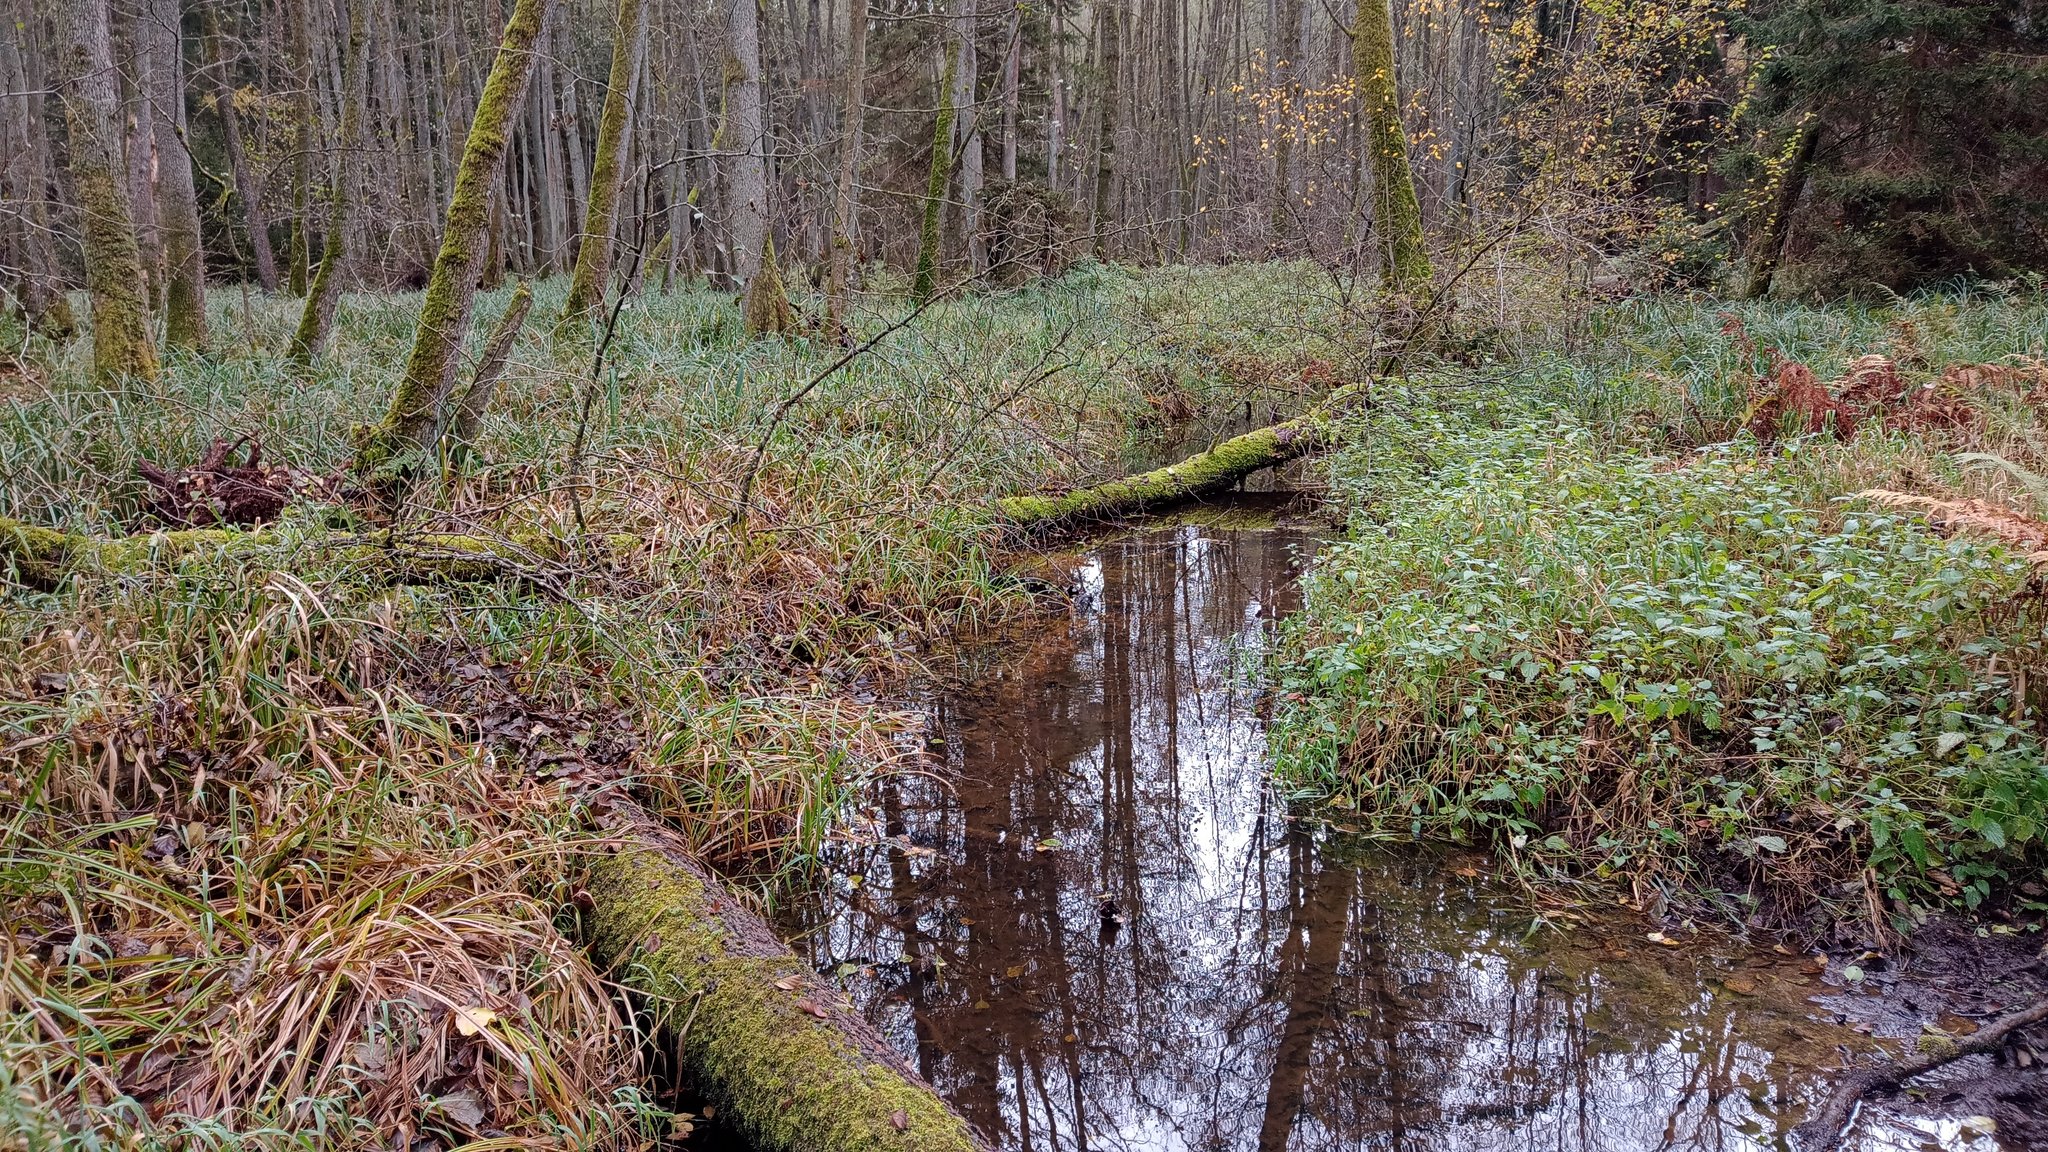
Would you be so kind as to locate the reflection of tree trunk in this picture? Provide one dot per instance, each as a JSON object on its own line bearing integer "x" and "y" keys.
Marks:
{"x": 1309, "y": 958}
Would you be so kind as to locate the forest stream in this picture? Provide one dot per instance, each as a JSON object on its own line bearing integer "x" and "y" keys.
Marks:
{"x": 1093, "y": 925}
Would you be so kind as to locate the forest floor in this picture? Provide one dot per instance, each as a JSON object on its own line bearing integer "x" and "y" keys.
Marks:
{"x": 292, "y": 846}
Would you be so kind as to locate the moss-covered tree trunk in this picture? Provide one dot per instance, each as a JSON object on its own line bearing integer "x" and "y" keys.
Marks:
{"x": 1397, "y": 214}
{"x": 845, "y": 200}
{"x": 122, "y": 346}
{"x": 405, "y": 439}
{"x": 316, "y": 318}
{"x": 247, "y": 188}
{"x": 930, "y": 234}
{"x": 1203, "y": 474}
{"x": 177, "y": 199}
{"x": 775, "y": 1047}
{"x": 300, "y": 251}
{"x": 24, "y": 180}
{"x": 608, "y": 178}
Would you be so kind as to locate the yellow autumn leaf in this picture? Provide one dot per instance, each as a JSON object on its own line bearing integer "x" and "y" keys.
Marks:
{"x": 471, "y": 1019}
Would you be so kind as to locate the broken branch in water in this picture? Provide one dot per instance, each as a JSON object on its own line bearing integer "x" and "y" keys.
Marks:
{"x": 1825, "y": 1128}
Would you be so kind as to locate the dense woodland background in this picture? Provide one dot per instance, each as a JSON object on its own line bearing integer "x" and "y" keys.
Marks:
{"x": 1885, "y": 142}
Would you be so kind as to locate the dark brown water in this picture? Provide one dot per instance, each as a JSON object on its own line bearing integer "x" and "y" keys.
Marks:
{"x": 1094, "y": 927}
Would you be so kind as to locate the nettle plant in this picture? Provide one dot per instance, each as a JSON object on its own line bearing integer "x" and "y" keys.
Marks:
{"x": 1703, "y": 671}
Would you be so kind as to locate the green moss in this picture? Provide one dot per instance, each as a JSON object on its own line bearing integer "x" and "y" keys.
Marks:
{"x": 122, "y": 346}
{"x": 608, "y": 176}
{"x": 1203, "y": 474}
{"x": 788, "y": 1079}
{"x": 1396, "y": 213}
{"x": 406, "y": 437}
{"x": 766, "y": 306}
{"x": 927, "y": 279}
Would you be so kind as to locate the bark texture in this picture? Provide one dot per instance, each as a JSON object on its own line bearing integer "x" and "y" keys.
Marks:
{"x": 743, "y": 134}
{"x": 491, "y": 367}
{"x": 845, "y": 200}
{"x": 1203, "y": 474}
{"x": 773, "y": 1045}
{"x": 407, "y": 435}
{"x": 1397, "y": 214}
{"x": 122, "y": 346}
{"x": 926, "y": 281}
{"x": 608, "y": 177}
{"x": 247, "y": 189}
{"x": 177, "y": 199}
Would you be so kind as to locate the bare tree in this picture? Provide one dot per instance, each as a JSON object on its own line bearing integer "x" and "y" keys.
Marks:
{"x": 121, "y": 342}
{"x": 608, "y": 178}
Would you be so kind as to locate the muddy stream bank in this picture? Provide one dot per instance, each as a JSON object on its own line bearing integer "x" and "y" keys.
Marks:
{"x": 1093, "y": 925}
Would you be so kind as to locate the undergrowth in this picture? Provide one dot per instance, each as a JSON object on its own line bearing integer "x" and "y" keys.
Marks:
{"x": 1582, "y": 617}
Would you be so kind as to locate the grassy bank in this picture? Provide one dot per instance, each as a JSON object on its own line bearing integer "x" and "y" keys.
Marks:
{"x": 1584, "y": 615}
{"x": 289, "y": 849}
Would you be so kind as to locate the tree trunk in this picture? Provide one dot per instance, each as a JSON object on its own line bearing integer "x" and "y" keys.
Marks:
{"x": 1286, "y": 70}
{"x": 608, "y": 179}
{"x": 316, "y": 319}
{"x": 927, "y": 279}
{"x": 770, "y": 1043}
{"x": 1104, "y": 215}
{"x": 1397, "y": 215}
{"x": 742, "y": 134}
{"x": 967, "y": 100}
{"x": 133, "y": 68}
{"x": 1013, "y": 64}
{"x": 177, "y": 199}
{"x": 122, "y": 346}
{"x": 839, "y": 284}
{"x": 24, "y": 180}
{"x": 247, "y": 190}
{"x": 490, "y": 368}
{"x": 300, "y": 251}
{"x": 405, "y": 439}
{"x": 1770, "y": 249}
{"x": 1203, "y": 474}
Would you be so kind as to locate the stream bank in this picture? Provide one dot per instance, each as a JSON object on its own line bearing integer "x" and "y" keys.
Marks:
{"x": 1093, "y": 923}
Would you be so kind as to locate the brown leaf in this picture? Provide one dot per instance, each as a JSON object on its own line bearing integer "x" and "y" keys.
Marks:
{"x": 899, "y": 1120}
{"x": 811, "y": 1006}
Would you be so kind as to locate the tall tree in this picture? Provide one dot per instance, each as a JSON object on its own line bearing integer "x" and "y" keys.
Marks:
{"x": 407, "y": 435}
{"x": 939, "y": 177}
{"x": 24, "y": 184}
{"x": 745, "y": 139}
{"x": 968, "y": 135}
{"x": 176, "y": 197}
{"x": 608, "y": 176}
{"x": 316, "y": 318}
{"x": 1397, "y": 215}
{"x": 844, "y": 200}
{"x": 1109, "y": 22}
{"x": 247, "y": 189}
{"x": 122, "y": 346}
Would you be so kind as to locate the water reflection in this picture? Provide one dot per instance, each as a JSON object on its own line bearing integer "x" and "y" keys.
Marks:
{"x": 1096, "y": 929}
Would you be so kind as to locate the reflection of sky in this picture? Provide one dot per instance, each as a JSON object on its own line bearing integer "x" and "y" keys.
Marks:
{"x": 1258, "y": 995}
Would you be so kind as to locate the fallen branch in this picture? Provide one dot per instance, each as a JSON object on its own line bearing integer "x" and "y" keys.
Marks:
{"x": 1203, "y": 474}
{"x": 776, "y": 1048}
{"x": 1826, "y": 1128}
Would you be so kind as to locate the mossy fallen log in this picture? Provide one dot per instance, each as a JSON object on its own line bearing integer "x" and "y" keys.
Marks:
{"x": 44, "y": 557}
{"x": 775, "y": 1047}
{"x": 1203, "y": 474}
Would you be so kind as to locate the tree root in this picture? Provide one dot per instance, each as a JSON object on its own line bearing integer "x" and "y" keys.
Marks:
{"x": 775, "y": 1047}
{"x": 1203, "y": 474}
{"x": 1825, "y": 1128}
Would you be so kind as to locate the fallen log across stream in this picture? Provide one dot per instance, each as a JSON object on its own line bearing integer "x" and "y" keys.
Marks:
{"x": 779, "y": 1050}
{"x": 1203, "y": 474}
